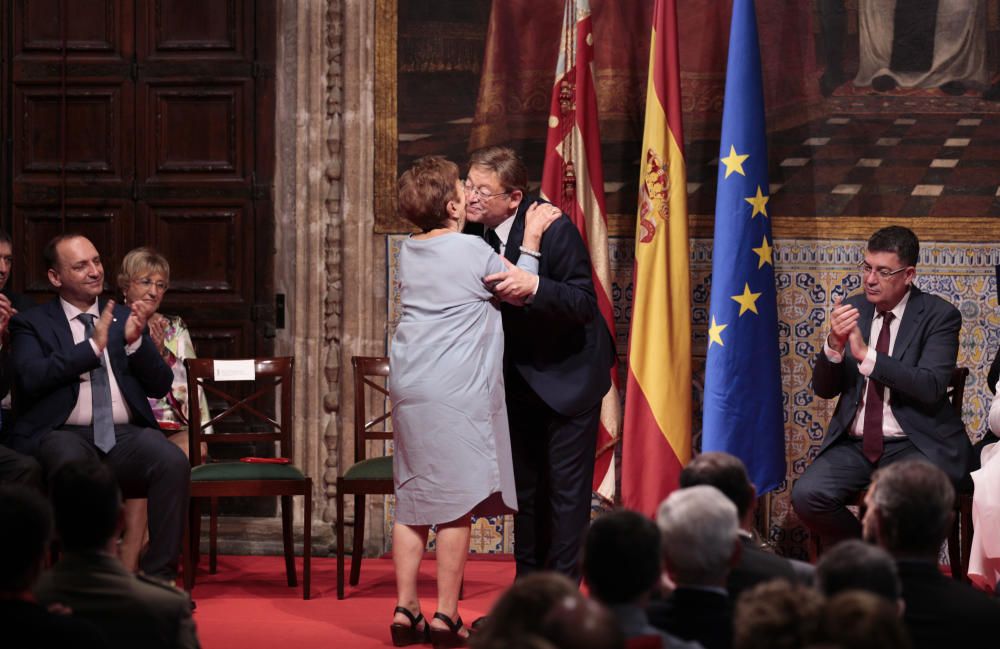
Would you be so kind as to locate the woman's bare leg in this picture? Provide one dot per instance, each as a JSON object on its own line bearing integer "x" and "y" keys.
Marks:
{"x": 408, "y": 542}
{"x": 452, "y": 551}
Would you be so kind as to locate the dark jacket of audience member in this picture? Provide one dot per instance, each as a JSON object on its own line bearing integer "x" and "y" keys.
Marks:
{"x": 24, "y": 540}
{"x": 132, "y": 611}
{"x": 622, "y": 566}
{"x": 727, "y": 473}
{"x": 700, "y": 543}
{"x": 909, "y": 514}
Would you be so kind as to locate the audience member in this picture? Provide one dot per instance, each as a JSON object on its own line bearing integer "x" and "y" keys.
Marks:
{"x": 700, "y": 542}
{"x": 24, "y": 539}
{"x": 14, "y": 467}
{"x": 520, "y": 612}
{"x": 777, "y": 614}
{"x": 84, "y": 371}
{"x": 727, "y": 473}
{"x": 145, "y": 277}
{"x": 855, "y": 619}
{"x": 909, "y": 514}
{"x": 132, "y": 611}
{"x": 622, "y": 566}
{"x": 856, "y": 565}
{"x": 888, "y": 359}
{"x": 578, "y": 623}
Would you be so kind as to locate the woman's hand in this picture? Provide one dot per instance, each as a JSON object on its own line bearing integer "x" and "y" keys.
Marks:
{"x": 537, "y": 220}
{"x": 158, "y": 332}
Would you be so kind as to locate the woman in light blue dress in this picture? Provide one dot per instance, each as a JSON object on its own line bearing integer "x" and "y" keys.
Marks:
{"x": 451, "y": 454}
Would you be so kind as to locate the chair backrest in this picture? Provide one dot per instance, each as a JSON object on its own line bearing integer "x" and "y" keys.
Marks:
{"x": 228, "y": 380}
{"x": 370, "y": 374}
{"x": 956, "y": 388}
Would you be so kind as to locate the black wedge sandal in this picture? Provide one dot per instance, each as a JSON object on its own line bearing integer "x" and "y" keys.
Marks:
{"x": 445, "y": 639}
{"x": 407, "y": 634}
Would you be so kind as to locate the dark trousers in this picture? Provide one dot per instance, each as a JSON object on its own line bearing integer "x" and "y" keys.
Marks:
{"x": 553, "y": 471}
{"x": 146, "y": 465}
{"x": 20, "y": 469}
{"x": 834, "y": 479}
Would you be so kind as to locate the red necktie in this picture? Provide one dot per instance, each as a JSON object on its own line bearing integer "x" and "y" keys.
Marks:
{"x": 871, "y": 444}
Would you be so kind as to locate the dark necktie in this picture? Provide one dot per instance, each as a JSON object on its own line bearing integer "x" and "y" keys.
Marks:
{"x": 871, "y": 444}
{"x": 100, "y": 393}
{"x": 492, "y": 239}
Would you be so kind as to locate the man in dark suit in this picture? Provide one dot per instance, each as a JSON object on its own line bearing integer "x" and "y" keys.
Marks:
{"x": 889, "y": 357}
{"x": 14, "y": 467}
{"x": 71, "y": 407}
{"x": 726, "y": 473}
{"x": 700, "y": 544}
{"x": 557, "y": 362}
{"x": 909, "y": 513}
{"x": 24, "y": 543}
{"x": 130, "y": 610}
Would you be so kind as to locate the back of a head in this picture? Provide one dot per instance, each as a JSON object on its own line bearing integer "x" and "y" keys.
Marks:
{"x": 777, "y": 614}
{"x": 699, "y": 532}
{"x": 913, "y": 503}
{"x": 855, "y": 619}
{"x": 24, "y": 537}
{"x": 521, "y": 609}
{"x": 856, "y": 565}
{"x": 576, "y": 622}
{"x": 425, "y": 190}
{"x": 86, "y": 501}
{"x": 726, "y": 473}
{"x": 621, "y": 557}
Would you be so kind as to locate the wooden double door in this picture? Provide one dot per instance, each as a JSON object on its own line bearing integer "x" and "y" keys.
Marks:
{"x": 148, "y": 122}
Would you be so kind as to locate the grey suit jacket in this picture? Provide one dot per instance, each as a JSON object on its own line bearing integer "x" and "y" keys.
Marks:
{"x": 917, "y": 375}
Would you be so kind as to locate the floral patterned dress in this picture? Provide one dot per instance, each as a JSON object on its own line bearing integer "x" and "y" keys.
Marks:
{"x": 171, "y": 411}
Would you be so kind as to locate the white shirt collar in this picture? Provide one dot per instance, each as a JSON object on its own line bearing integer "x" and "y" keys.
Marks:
{"x": 897, "y": 311}
{"x": 503, "y": 230}
{"x": 71, "y": 311}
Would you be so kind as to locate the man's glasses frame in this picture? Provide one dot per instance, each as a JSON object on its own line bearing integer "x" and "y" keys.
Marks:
{"x": 481, "y": 195}
{"x": 883, "y": 273}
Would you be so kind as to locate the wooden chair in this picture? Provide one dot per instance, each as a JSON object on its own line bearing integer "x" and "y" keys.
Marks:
{"x": 960, "y": 536}
{"x": 367, "y": 475}
{"x": 271, "y": 378}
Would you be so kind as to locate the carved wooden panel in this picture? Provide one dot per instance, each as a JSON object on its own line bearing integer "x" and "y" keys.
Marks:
{"x": 93, "y": 27}
{"x": 195, "y": 29}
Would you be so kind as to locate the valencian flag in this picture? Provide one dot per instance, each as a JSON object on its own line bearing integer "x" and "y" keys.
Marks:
{"x": 743, "y": 407}
{"x": 656, "y": 440}
{"x": 572, "y": 178}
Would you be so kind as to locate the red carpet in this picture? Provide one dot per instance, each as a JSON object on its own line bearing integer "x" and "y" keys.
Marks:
{"x": 247, "y": 604}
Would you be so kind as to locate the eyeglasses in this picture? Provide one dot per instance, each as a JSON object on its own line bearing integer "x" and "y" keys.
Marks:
{"x": 485, "y": 197}
{"x": 883, "y": 273}
{"x": 145, "y": 283}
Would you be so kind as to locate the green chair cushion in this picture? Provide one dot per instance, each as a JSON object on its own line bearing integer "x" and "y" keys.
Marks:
{"x": 376, "y": 468}
{"x": 245, "y": 471}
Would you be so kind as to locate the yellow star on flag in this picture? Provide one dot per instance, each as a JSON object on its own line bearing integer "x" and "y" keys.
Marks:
{"x": 764, "y": 252}
{"x": 734, "y": 162}
{"x": 747, "y": 301}
{"x": 715, "y": 333}
{"x": 759, "y": 203}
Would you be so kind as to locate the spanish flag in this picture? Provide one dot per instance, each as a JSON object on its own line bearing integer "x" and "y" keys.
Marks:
{"x": 573, "y": 180}
{"x": 656, "y": 439}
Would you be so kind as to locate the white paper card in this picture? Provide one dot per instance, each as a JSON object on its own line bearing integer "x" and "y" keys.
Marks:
{"x": 234, "y": 370}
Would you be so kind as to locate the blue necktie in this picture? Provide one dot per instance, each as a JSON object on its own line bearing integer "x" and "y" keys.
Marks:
{"x": 100, "y": 392}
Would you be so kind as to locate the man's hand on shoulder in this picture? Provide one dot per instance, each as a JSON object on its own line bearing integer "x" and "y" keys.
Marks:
{"x": 103, "y": 324}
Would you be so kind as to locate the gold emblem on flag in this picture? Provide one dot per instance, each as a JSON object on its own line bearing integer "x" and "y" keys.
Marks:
{"x": 654, "y": 202}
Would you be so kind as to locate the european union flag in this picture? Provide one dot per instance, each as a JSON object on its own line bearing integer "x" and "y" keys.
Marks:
{"x": 743, "y": 408}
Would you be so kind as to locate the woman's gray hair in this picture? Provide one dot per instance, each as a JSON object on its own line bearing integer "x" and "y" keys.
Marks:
{"x": 699, "y": 528}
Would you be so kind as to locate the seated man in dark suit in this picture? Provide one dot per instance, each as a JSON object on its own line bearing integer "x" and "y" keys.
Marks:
{"x": 131, "y": 610}
{"x": 700, "y": 542}
{"x": 888, "y": 359}
{"x": 621, "y": 567}
{"x": 72, "y": 407}
{"x": 24, "y": 541}
{"x": 909, "y": 514}
{"x": 726, "y": 473}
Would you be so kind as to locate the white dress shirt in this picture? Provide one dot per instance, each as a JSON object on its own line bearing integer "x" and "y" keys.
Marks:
{"x": 890, "y": 427}
{"x": 82, "y": 413}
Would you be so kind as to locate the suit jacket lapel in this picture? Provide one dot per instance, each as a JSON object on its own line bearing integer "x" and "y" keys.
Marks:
{"x": 512, "y": 251}
{"x": 60, "y": 325}
{"x": 908, "y": 326}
